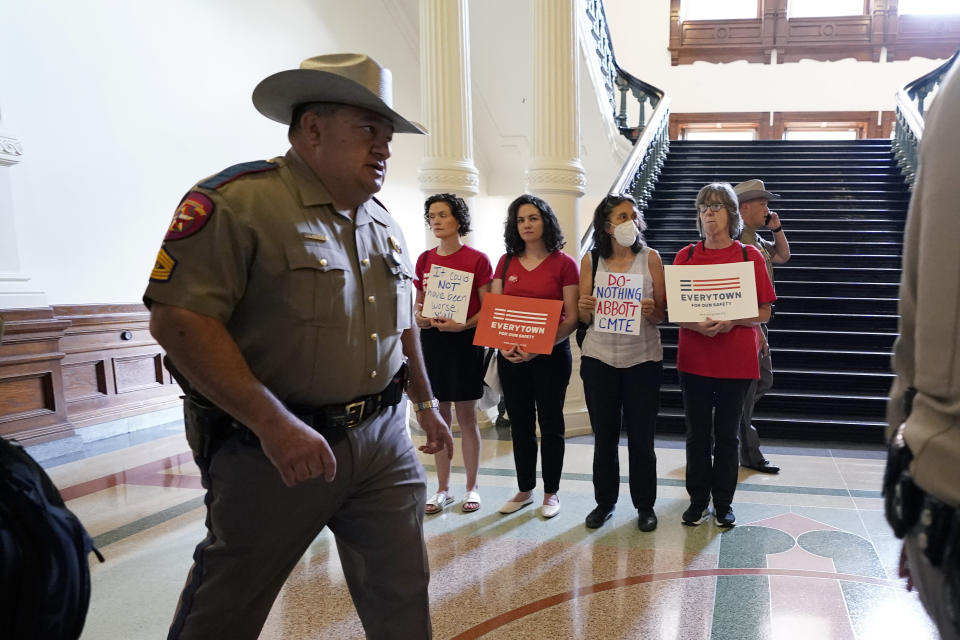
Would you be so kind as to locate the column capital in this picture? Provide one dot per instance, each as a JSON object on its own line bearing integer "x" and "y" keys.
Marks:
{"x": 557, "y": 177}
{"x": 446, "y": 176}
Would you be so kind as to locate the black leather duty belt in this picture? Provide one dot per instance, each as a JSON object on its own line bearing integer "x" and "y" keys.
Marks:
{"x": 332, "y": 421}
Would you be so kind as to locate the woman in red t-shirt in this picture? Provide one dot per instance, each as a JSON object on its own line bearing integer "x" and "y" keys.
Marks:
{"x": 716, "y": 361}
{"x": 454, "y": 365}
{"x": 534, "y": 386}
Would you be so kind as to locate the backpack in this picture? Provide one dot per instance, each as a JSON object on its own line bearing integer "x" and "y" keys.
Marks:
{"x": 44, "y": 573}
{"x": 583, "y": 326}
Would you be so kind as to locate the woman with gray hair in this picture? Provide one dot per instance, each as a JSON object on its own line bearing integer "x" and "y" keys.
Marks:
{"x": 716, "y": 360}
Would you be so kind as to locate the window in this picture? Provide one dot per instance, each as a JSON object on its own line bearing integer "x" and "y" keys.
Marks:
{"x": 928, "y": 7}
{"x": 713, "y": 10}
{"x": 820, "y": 134}
{"x": 824, "y": 8}
{"x": 713, "y": 134}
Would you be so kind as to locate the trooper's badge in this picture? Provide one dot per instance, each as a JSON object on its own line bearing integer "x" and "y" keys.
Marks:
{"x": 192, "y": 214}
{"x": 396, "y": 245}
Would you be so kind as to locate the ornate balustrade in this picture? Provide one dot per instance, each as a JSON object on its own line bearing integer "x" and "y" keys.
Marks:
{"x": 649, "y": 135}
{"x": 912, "y": 102}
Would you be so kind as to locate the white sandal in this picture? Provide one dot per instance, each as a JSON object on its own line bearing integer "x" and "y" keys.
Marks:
{"x": 470, "y": 497}
{"x": 438, "y": 502}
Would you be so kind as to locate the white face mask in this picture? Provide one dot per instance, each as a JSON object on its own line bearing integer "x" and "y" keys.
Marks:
{"x": 625, "y": 233}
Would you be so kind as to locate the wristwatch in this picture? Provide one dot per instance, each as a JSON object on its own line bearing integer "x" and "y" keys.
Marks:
{"x": 433, "y": 403}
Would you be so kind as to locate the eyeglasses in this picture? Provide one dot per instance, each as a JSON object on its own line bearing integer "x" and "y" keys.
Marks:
{"x": 713, "y": 206}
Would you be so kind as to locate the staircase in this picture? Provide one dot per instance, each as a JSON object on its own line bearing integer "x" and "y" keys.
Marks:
{"x": 843, "y": 209}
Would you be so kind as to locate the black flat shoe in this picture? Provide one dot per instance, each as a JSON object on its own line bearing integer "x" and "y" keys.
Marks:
{"x": 646, "y": 520}
{"x": 598, "y": 516}
{"x": 764, "y": 467}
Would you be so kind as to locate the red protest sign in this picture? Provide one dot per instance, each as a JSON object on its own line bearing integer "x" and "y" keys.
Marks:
{"x": 508, "y": 321}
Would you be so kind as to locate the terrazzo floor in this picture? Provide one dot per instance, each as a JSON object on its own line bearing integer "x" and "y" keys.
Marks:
{"x": 811, "y": 556}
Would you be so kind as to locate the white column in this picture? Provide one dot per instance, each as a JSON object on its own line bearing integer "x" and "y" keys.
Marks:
{"x": 555, "y": 173}
{"x": 447, "y": 165}
{"x": 16, "y": 291}
{"x": 446, "y": 105}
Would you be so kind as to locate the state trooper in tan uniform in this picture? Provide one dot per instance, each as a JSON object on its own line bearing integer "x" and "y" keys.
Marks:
{"x": 282, "y": 295}
{"x": 753, "y": 196}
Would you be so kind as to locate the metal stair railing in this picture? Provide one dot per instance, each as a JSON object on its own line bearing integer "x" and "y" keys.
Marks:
{"x": 912, "y": 103}
{"x": 650, "y": 136}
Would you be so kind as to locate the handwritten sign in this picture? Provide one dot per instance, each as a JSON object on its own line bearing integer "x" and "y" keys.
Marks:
{"x": 717, "y": 291}
{"x": 618, "y": 302}
{"x": 446, "y": 293}
{"x": 530, "y": 323}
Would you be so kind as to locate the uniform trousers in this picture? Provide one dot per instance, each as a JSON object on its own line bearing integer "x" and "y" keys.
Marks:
{"x": 750, "y": 454}
{"x": 623, "y": 398}
{"x": 711, "y": 408}
{"x": 534, "y": 391}
{"x": 258, "y": 529}
{"x": 931, "y": 584}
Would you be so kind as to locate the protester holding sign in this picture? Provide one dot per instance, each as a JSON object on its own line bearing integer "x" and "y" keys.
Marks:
{"x": 622, "y": 366}
{"x": 452, "y": 272}
{"x": 716, "y": 361}
{"x": 534, "y": 386}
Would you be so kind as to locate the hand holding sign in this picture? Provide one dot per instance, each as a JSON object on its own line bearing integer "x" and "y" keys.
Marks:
{"x": 506, "y": 322}
{"x": 618, "y": 307}
{"x": 446, "y": 294}
{"x": 717, "y": 291}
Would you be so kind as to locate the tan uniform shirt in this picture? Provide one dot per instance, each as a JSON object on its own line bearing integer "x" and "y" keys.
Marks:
{"x": 749, "y": 236}
{"x": 927, "y": 353}
{"x": 315, "y": 300}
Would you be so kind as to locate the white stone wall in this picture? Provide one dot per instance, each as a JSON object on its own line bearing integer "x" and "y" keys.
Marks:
{"x": 121, "y": 106}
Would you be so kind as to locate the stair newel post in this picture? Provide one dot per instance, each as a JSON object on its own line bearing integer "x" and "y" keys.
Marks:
{"x": 622, "y": 114}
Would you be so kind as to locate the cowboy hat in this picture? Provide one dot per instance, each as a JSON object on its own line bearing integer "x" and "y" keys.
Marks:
{"x": 753, "y": 190}
{"x": 345, "y": 78}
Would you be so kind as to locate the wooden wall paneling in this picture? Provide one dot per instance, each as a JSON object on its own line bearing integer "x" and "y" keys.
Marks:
{"x": 82, "y": 380}
{"x": 833, "y": 38}
{"x": 71, "y": 366}
{"x": 862, "y": 37}
{"x": 116, "y": 340}
{"x": 888, "y": 120}
{"x": 32, "y": 404}
{"x": 134, "y": 372}
{"x": 926, "y": 36}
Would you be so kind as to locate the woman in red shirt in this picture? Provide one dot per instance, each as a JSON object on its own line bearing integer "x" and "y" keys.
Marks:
{"x": 454, "y": 365}
{"x": 716, "y": 360}
{"x": 534, "y": 386}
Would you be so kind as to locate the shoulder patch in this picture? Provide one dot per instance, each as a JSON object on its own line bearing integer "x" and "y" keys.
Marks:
{"x": 163, "y": 268}
{"x": 232, "y": 173}
{"x": 192, "y": 214}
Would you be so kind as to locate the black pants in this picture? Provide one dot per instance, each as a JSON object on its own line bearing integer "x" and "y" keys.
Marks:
{"x": 712, "y": 408}
{"x": 618, "y": 398}
{"x": 534, "y": 391}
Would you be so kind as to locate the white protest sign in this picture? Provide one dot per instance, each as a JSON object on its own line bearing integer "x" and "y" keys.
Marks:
{"x": 618, "y": 302}
{"x": 446, "y": 294}
{"x": 716, "y": 291}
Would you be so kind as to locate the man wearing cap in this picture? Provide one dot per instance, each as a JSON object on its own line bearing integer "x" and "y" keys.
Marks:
{"x": 753, "y": 197}
{"x": 282, "y": 295}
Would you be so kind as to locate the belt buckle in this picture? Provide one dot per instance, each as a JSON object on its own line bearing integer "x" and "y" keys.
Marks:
{"x": 354, "y": 411}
